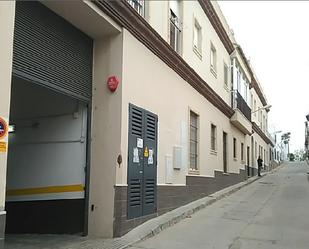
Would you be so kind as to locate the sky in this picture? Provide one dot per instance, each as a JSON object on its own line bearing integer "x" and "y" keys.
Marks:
{"x": 275, "y": 38}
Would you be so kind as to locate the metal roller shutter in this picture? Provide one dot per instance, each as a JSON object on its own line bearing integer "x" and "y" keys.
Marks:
{"x": 51, "y": 52}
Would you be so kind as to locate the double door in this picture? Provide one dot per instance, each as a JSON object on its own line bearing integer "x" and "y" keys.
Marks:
{"x": 142, "y": 162}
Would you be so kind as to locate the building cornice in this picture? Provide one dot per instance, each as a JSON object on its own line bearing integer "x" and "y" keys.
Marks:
{"x": 217, "y": 25}
{"x": 122, "y": 13}
{"x": 258, "y": 130}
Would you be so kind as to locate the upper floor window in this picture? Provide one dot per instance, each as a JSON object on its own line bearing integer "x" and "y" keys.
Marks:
{"x": 175, "y": 30}
{"x": 139, "y": 6}
{"x": 197, "y": 38}
{"x": 242, "y": 151}
{"x": 213, "y": 59}
{"x": 226, "y": 75}
{"x": 255, "y": 110}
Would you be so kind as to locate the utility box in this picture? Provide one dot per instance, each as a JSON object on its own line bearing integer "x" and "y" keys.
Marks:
{"x": 177, "y": 157}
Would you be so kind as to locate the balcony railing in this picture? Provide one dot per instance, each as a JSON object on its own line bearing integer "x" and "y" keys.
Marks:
{"x": 239, "y": 103}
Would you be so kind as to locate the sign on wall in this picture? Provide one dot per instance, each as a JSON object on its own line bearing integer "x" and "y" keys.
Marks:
{"x": 4, "y": 129}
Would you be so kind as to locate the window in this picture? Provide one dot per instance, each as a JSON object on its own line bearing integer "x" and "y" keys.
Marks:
{"x": 139, "y": 6}
{"x": 260, "y": 116}
{"x": 251, "y": 103}
{"x": 197, "y": 38}
{"x": 255, "y": 151}
{"x": 175, "y": 26}
{"x": 266, "y": 124}
{"x": 234, "y": 148}
{"x": 242, "y": 151}
{"x": 254, "y": 108}
{"x": 213, "y": 145}
{"x": 193, "y": 141}
{"x": 213, "y": 59}
{"x": 226, "y": 76}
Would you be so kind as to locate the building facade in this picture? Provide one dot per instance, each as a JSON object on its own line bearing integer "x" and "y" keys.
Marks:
{"x": 120, "y": 111}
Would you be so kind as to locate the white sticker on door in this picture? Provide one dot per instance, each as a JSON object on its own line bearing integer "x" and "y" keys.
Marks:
{"x": 135, "y": 155}
{"x": 150, "y": 158}
{"x": 139, "y": 143}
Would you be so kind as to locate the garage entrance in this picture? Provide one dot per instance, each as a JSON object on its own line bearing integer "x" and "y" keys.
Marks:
{"x": 51, "y": 93}
{"x": 46, "y": 161}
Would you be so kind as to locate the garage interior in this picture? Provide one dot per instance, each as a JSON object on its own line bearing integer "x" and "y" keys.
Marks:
{"x": 50, "y": 95}
{"x": 46, "y": 161}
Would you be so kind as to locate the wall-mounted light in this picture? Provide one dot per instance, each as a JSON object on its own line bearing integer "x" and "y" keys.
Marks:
{"x": 12, "y": 128}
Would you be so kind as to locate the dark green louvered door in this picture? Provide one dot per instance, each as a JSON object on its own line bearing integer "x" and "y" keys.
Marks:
{"x": 142, "y": 162}
{"x": 51, "y": 52}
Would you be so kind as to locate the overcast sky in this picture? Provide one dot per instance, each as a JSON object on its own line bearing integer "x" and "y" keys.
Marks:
{"x": 275, "y": 37}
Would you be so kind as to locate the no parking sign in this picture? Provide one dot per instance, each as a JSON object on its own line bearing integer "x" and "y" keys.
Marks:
{"x": 4, "y": 129}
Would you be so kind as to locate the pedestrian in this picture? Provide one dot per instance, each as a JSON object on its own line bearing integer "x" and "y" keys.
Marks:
{"x": 259, "y": 162}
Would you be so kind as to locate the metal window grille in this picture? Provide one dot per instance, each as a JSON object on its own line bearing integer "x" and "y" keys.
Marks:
{"x": 139, "y": 6}
{"x": 225, "y": 75}
{"x": 193, "y": 141}
{"x": 213, "y": 58}
{"x": 175, "y": 32}
{"x": 213, "y": 137}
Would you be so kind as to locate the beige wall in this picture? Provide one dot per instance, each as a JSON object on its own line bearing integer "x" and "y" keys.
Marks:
{"x": 7, "y": 15}
{"x": 150, "y": 84}
{"x": 192, "y": 11}
{"x": 105, "y": 145}
{"x": 156, "y": 14}
{"x": 158, "y": 18}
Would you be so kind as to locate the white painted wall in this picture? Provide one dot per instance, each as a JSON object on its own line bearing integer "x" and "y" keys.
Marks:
{"x": 7, "y": 15}
{"x": 159, "y": 20}
{"x": 49, "y": 145}
{"x": 150, "y": 84}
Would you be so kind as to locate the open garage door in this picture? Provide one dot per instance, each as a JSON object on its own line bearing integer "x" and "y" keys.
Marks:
{"x": 46, "y": 161}
{"x": 51, "y": 52}
{"x": 51, "y": 90}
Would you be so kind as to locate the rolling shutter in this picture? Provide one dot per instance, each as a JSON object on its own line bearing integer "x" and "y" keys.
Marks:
{"x": 51, "y": 52}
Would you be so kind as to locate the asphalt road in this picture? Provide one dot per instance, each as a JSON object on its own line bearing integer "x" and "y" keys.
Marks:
{"x": 271, "y": 213}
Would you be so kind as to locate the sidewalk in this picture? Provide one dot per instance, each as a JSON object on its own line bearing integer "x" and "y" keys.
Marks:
{"x": 142, "y": 232}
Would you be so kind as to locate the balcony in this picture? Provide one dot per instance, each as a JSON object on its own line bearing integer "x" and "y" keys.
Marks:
{"x": 242, "y": 116}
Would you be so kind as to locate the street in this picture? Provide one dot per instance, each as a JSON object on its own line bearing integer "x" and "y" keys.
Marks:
{"x": 270, "y": 213}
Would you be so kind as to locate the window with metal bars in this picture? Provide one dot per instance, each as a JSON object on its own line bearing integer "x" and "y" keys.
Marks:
{"x": 138, "y": 5}
{"x": 193, "y": 141}
{"x": 213, "y": 137}
{"x": 242, "y": 151}
{"x": 234, "y": 148}
{"x": 226, "y": 77}
{"x": 175, "y": 31}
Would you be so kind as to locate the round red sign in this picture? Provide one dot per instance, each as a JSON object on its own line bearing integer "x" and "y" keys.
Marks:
{"x": 112, "y": 83}
{"x": 3, "y": 128}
